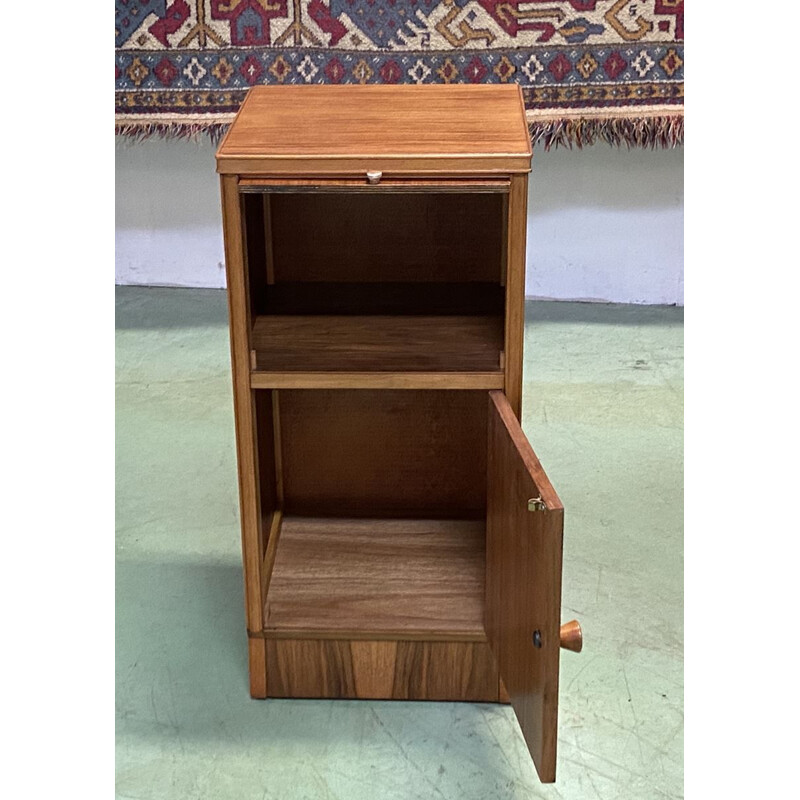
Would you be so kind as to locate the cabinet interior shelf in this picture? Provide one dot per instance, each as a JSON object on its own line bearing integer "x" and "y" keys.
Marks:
{"x": 400, "y": 335}
{"x": 323, "y": 343}
{"x": 378, "y": 578}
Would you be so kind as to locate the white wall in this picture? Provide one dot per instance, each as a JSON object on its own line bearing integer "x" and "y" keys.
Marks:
{"x": 604, "y": 224}
{"x": 168, "y": 216}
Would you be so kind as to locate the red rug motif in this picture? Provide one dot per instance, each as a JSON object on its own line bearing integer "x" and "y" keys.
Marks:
{"x": 589, "y": 69}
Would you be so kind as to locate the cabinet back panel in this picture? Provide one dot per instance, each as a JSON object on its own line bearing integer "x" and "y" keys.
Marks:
{"x": 365, "y": 453}
{"x": 255, "y": 251}
{"x": 387, "y": 237}
{"x": 418, "y": 298}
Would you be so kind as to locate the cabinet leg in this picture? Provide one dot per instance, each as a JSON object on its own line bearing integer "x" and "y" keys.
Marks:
{"x": 258, "y": 668}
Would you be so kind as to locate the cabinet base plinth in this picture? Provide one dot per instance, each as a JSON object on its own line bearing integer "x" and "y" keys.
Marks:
{"x": 381, "y": 670}
{"x": 257, "y": 658}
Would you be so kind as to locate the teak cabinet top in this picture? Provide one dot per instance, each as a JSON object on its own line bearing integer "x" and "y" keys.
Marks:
{"x": 397, "y": 130}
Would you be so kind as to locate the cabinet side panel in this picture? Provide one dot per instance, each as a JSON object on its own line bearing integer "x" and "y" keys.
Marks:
{"x": 515, "y": 290}
{"x": 245, "y": 419}
{"x": 267, "y": 460}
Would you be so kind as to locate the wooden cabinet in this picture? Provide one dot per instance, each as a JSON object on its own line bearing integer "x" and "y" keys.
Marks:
{"x": 400, "y": 537}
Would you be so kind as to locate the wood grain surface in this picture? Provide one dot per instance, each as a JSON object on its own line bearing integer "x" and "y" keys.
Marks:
{"x": 266, "y": 433}
{"x": 246, "y": 428}
{"x": 523, "y": 582}
{"x": 393, "y": 670}
{"x": 265, "y": 379}
{"x": 377, "y": 343}
{"x": 357, "y": 185}
{"x": 377, "y": 578}
{"x": 459, "y": 127}
{"x": 430, "y": 237}
{"x": 385, "y": 298}
{"x": 517, "y": 221}
{"x": 393, "y": 453}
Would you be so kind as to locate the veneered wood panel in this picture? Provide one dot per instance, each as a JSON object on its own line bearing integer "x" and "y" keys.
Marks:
{"x": 517, "y": 221}
{"x": 256, "y": 250}
{"x": 502, "y": 696}
{"x": 373, "y": 668}
{"x": 444, "y": 671}
{"x": 378, "y": 578}
{"x": 388, "y": 298}
{"x": 310, "y": 668}
{"x": 377, "y": 343}
{"x": 267, "y": 462}
{"x": 357, "y": 167}
{"x": 272, "y": 525}
{"x": 395, "y": 186}
{"x": 387, "y": 237}
{"x": 268, "y": 238}
{"x": 246, "y": 429}
{"x": 451, "y": 381}
{"x": 396, "y": 670}
{"x": 523, "y": 582}
{"x": 374, "y": 453}
{"x": 329, "y": 128}
{"x": 257, "y": 667}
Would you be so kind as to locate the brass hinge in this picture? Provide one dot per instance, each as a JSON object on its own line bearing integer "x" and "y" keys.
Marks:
{"x": 537, "y": 504}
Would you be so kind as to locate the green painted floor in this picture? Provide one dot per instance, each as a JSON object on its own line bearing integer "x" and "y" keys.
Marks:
{"x": 603, "y": 408}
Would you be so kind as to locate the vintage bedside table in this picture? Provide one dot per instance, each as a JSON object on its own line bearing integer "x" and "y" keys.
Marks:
{"x": 400, "y": 537}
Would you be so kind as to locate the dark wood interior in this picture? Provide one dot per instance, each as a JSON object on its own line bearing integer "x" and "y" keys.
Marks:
{"x": 385, "y": 282}
{"x": 360, "y": 485}
{"x": 268, "y": 463}
{"x": 381, "y": 527}
{"x": 373, "y": 453}
{"x": 407, "y": 298}
{"x": 358, "y": 238}
{"x": 377, "y": 343}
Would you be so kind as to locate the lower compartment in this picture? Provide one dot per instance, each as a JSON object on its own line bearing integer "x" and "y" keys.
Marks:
{"x": 391, "y": 670}
{"x": 377, "y": 579}
{"x": 377, "y": 608}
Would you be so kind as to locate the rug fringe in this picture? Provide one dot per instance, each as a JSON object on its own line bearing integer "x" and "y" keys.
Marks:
{"x": 139, "y": 131}
{"x": 648, "y": 132}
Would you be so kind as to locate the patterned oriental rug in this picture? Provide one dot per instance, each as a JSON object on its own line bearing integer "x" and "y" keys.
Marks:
{"x": 609, "y": 70}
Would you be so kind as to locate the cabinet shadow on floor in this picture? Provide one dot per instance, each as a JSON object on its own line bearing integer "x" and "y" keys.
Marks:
{"x": 181, "y": 660}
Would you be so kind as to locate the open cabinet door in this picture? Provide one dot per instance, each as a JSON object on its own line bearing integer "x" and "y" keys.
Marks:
{"x": 524, "y": 529}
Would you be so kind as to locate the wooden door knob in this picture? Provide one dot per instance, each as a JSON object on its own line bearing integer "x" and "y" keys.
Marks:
{"x": 572, "y": 636}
